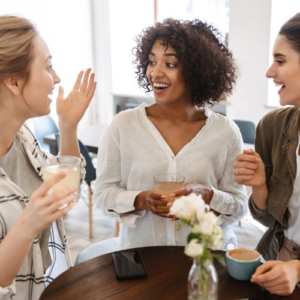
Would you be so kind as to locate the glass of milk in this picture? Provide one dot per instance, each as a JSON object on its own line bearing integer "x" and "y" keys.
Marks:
{"x": 68, "y": 164}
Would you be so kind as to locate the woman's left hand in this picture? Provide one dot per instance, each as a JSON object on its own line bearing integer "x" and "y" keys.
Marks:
{"x": 192, "y": 187}
{"x": 278, "y": 277}
{"x": 199, "y": 189}
{"x": 71, "y": 109}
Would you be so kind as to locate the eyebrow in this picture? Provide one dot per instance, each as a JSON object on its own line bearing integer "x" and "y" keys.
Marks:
{"x": 279, "y": 55}
{"x": 49, "y": 57}
{"x": 166, "y": 54}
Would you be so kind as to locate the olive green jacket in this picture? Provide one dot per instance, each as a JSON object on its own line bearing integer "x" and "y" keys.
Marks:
{"x": 276, "y": 142}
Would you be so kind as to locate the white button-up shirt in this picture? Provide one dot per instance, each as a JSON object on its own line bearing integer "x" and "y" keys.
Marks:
{"x": 132, "y": 151}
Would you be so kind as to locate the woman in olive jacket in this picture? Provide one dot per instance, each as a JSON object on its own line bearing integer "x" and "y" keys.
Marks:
{"x": 273, "y": 171}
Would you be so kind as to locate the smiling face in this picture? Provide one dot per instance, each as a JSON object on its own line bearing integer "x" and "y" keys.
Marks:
{"x": 285, "y": 71}
{"x": 165, "y": 75}
{"x": 41, "y": 81}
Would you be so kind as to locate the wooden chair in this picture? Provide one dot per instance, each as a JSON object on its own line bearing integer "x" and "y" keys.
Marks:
{"x": 117, "y": 229}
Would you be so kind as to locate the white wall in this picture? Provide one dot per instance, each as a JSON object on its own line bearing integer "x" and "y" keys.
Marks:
{"x": 127, "y": 19}
{"x": 249, "y": 38}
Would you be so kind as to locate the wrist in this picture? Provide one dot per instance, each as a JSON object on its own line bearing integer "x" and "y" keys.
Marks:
{"x": 139, "y": 202}
{"x": 66, "y": 127}
{"x": 22, "y": 226}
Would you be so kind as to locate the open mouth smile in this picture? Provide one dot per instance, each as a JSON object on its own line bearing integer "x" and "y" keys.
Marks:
{"x": 282, "y": 85}
{"x": 159, "y": 88}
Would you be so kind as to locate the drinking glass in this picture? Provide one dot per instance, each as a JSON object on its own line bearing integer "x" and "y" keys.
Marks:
{"x": 68, "y": 164}
{"x": 168, "y": 183}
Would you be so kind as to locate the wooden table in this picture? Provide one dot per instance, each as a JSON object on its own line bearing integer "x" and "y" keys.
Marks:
{"x": 167, "y": 269}
{"x": 89, "y": 136}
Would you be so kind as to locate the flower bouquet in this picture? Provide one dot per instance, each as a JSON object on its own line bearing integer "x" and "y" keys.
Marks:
{"x": 206, "y": 235}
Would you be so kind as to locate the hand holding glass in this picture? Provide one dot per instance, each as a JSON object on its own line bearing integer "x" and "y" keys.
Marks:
{"x": 168, "y": 183}
{"x": 68, "y": 164}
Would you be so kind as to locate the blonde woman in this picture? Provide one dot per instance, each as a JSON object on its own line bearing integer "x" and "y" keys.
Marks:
{"x": 28, "y": 217}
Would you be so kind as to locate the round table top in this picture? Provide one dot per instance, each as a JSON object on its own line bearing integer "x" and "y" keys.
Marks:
{"x": 167, "y": 268}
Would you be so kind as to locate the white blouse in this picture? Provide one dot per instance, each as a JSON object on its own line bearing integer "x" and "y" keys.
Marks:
{"x": 132, "y": 151}
{"x": 293, "y": 232}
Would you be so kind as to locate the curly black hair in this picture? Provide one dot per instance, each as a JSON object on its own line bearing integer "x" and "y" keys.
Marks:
{"x": 207, "y": 64}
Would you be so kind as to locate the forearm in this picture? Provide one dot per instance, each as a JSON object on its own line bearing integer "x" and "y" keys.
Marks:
{"x": 260, "y": 196}
{"x": 13, "y": 250}
{"x": 68, "y": 140}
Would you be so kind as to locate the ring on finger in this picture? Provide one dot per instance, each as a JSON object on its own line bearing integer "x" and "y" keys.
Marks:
{"x": 237, "y": 172}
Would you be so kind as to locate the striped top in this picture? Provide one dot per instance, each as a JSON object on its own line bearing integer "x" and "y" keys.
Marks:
{"x": 30, "y": 281}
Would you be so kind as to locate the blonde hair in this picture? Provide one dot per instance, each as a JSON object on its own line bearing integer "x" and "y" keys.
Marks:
{"x": 17, "y": 37}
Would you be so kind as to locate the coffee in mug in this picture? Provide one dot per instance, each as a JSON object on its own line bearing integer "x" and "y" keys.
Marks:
{"x": 244, "y": 254}
{"x": 242, "y": 263}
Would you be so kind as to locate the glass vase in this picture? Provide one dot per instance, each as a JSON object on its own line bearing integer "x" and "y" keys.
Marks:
{"x": 202, "y": 281}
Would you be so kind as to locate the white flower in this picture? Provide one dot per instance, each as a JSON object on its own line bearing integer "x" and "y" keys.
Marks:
{"x": 201, "y": 207}
{"x": 183, "y": 208}
{"x": 217, "y": 239}
{"x": 211, "y": 218}
{"x": 206, "y": 227}
{"x": 193, "y": 249}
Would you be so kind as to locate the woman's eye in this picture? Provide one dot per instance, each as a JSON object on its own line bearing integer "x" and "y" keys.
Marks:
{"x": 171, "y": 65}
{"x": 279, "y": 62}
{"x": 151, "y": 63}
{"x": 50, "y": 68}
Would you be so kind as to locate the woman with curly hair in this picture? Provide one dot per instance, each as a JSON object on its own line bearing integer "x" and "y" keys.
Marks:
{"x": 186, "y": 66}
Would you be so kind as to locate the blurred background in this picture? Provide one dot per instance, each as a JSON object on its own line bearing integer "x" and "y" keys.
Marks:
{"x": 100, "y": 34}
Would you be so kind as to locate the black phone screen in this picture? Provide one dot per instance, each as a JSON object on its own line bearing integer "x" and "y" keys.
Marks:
{"x": 129, "y": 265}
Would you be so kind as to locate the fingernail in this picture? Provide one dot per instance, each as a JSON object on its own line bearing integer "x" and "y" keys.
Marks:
{"x": 74, "y": 187}
{"x": 163, "y": 197}
{"x": 74, "y": 195}
{"x": 169, "y": 203}
{"x": 62, "y": 174}
{"x": 257, "y": 159}
{"x": 173, "y": 195}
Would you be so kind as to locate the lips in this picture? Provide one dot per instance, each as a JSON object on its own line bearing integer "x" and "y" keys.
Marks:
{"x": 281, "y": 85}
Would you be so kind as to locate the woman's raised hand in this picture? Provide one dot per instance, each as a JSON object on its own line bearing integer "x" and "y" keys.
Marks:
{"x": 71, "y": 109}
{"x": 249, "y": 169}
{"x": 42, "y": 209}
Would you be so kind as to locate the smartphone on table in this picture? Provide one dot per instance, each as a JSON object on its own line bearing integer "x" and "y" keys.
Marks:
{"x": 129, "y": 265}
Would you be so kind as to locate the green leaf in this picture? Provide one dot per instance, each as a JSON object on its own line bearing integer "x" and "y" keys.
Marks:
{"x": 192, "y": 236}
{"x": 219, "y": 258}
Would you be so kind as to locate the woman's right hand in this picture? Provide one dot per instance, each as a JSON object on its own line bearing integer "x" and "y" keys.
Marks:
{"x": 249, "y": 169}
{"x": 151, "y": 200}
{"x": 42, "y": 209}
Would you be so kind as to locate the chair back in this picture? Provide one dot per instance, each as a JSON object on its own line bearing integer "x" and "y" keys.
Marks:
{"x": 43, "y": 126}
{"x": 97, "y": 249}
{"x": 89, "y": 168}
{"x": 247, "y": 129}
